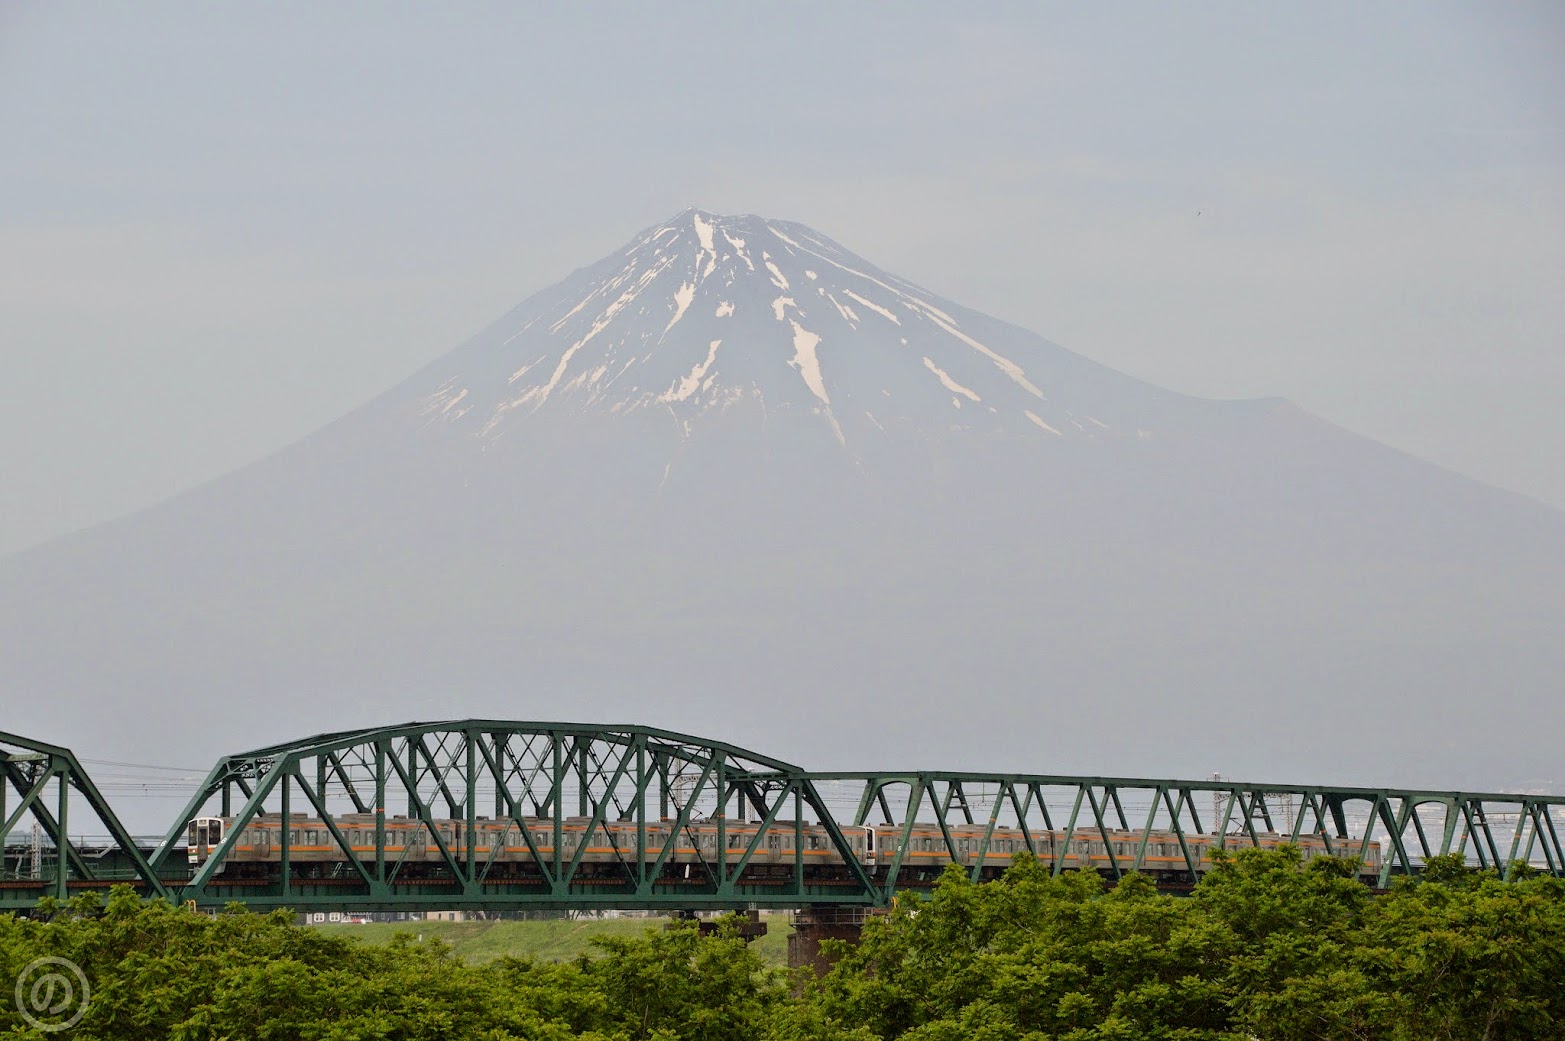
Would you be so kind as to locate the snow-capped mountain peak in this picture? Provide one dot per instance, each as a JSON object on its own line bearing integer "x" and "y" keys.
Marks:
{"x": 705, "y": 313}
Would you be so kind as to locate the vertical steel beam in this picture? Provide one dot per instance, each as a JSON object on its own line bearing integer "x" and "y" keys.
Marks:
{"x": 470, "y": 810}
{"x": 1192, "y": 863}
{"x": 1070, "y": 830}
{"x": 983, "y": 844}
{"x": 798, "y": 838}
{"x": 940, "y": 818}
{"x": 720, "y": 786}
{"x": 915, "y": 797}
{"x": 643, "y": 779}
{"x": 1146, "y": 829}
{"x": 1099, "y": 815}
{"x": 1396, "y": 829}
{"x": 382, "y": 753}
{"x": 287, "y": 836}
{"x": 63, "y": 847}
{"x": 557, "y": 747}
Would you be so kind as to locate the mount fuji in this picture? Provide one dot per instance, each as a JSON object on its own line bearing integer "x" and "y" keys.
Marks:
{"x": 736, "y": 480}
{"x": 809, "y": 328}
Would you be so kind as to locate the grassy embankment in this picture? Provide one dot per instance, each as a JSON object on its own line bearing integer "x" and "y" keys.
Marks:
{"x": 549, "y": 940}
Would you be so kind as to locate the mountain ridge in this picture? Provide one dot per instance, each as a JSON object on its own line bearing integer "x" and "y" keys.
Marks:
{"x": 942, "y": 588}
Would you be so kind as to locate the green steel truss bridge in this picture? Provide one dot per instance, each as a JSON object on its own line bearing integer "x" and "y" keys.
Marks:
{"x": 497, "y": 815}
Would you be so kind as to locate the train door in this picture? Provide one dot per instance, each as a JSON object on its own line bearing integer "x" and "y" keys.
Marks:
{"x": 869, "y": 844}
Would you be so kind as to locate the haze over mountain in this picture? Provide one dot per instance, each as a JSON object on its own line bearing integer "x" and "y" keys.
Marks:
{"x": 735, "y": 480}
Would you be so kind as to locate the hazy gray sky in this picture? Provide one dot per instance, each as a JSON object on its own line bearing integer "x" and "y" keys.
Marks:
{"x": 222, "y": 226}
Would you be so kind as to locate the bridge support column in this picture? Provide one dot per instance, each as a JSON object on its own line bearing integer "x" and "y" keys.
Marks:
{"x": 811, "y": 925}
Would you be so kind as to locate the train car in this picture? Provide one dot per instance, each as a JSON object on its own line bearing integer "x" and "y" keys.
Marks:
{"x": 876, "y": 847}
{"x": 409, "y": 840}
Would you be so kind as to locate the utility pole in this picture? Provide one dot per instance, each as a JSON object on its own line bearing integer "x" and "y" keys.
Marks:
{"x": 1219, "y": 822}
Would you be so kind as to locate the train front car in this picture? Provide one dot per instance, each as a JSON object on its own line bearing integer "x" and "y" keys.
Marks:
{"x": 202, "y": 838}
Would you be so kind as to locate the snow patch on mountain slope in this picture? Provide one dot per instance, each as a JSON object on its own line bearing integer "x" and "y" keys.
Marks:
{"x": 691, "y": 383}
{"x": 1038, "y": 420}
{"x": 893, "y": 319}
{"x": 950, "y": 384}
{"x": 682, "y": 297}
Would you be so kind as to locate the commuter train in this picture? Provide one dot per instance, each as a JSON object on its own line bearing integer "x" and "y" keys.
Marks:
{"x": 501, "y": 842}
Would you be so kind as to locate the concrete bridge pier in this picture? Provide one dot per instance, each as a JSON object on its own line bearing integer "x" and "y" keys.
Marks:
{"x": 811, "y": 925}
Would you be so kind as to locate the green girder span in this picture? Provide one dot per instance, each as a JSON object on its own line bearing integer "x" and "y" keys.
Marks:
{"x": 30, "y": 769}
{"x": 636, "y": 817}
{"x": 593, "y": 783}
{"x": 1094, "y": 809}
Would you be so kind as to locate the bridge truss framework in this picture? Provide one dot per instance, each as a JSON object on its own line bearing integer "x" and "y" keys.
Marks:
{"x": 646, "y": 796}
{"x": 45, "y": 786}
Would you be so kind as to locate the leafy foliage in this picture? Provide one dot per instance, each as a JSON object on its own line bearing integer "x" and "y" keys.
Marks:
{"x": 1268, "y": 947}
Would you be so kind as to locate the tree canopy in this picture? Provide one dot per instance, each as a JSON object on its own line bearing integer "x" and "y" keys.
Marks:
{"x": 1267, "y": 947}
